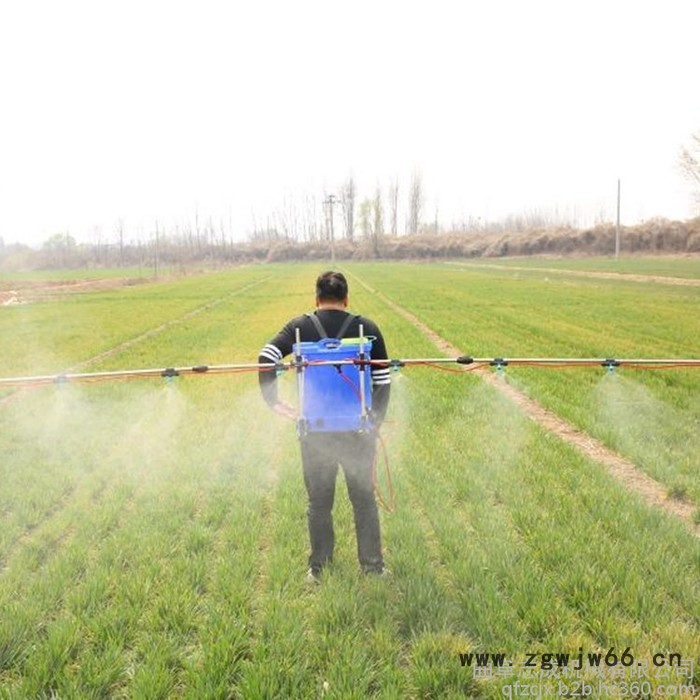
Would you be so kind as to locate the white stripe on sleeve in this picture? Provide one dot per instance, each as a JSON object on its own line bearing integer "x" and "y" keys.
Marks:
{"x": 381, "y": 376}
{"x": 271, "y": 352}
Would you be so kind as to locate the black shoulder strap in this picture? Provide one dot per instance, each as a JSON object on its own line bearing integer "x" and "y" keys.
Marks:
{"x": 317, "y": 323}
{"x": 322, "y": 331}
{"x": 346, "y": 324}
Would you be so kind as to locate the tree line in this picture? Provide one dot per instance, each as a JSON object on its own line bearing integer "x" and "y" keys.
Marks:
{"x": 314, "y": 228}
{"x": 341, "y": 217}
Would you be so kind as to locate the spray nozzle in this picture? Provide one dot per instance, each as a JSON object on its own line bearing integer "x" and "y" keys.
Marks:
{"x": 610, "y": 364}
{"x": 170, "y": 373}
{"x": 500, "y": 365}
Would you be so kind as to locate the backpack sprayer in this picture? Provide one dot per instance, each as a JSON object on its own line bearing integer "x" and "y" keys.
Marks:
{"x": 334, "y": 389}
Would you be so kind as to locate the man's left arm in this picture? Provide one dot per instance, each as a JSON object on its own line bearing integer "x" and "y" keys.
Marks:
{"x": 381, "y": 378}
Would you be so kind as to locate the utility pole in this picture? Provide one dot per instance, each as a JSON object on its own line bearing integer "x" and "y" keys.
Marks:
{"x": 617, "y": 227}
{"x": 332, "y": 199}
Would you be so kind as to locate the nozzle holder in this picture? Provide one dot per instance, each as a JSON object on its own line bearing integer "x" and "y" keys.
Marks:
{"x": 499, "y": 364}
{"x": 465, "y": 360}
{"x": 610, "y": 364}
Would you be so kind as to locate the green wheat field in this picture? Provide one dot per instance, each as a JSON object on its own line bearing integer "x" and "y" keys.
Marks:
{"x": 153, "y": 535}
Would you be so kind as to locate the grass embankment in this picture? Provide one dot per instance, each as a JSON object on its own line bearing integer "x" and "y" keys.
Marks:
{"x": 154, "y": 536}
{"x": 666, "y": 266}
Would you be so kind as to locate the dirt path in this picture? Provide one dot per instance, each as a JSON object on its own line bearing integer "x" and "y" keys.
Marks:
{"x": 620, "y": 276}
{"x": 618, "y": 466}
{"x": 29, "y": 291}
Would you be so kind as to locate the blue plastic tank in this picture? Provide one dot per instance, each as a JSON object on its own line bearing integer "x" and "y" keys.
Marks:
{"x": 331, "y": 395}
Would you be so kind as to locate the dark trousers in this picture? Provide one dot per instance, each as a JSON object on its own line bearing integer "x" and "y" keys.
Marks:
{"x": 321, "y": 453}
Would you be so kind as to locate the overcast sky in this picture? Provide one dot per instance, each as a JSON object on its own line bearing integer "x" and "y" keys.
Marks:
{"x": 154, "y": 110}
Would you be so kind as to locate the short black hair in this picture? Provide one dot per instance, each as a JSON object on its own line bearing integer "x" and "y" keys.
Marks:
{"x": 331, "y": 286}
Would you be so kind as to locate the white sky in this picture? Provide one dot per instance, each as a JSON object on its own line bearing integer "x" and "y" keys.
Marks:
{"x": 154, "y": 110}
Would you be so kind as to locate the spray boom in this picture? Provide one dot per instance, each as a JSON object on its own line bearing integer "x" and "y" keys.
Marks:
{"x": 467, "y": 362}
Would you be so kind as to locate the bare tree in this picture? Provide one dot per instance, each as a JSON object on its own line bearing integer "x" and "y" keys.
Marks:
{"x": 222, "y": 233}
{"x": 210, "y": 233}
{"x": 347, "y": 200}
{"x": 314, "y": 223}
{"x": 415, "y": 203}
{"x": 378, "y": 224}
{"x": 60, "y": 249}
{"x": 288, "y": 217}
{"x": 156, "y": 249}
{"x": 689, "y": 162}
{"x": 393, "y": 206}
{"x": 365, "y": 218}
{"x": 97, "y": 239}
{"x": 120, "y": 236}
{"x": 196, "y": 229}
{"x": 328, "y": 202}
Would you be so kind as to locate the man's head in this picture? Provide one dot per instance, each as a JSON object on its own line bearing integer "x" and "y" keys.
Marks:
{"x": 332, "y": 289}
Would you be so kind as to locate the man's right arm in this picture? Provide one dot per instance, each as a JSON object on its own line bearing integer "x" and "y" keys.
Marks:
{"x": 274, "y": 352}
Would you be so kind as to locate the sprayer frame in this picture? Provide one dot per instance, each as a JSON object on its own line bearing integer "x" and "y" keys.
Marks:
{"x": 301, "y": 365}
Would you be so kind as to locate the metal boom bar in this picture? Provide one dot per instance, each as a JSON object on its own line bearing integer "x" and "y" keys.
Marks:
{"x": 464, "y": 360}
